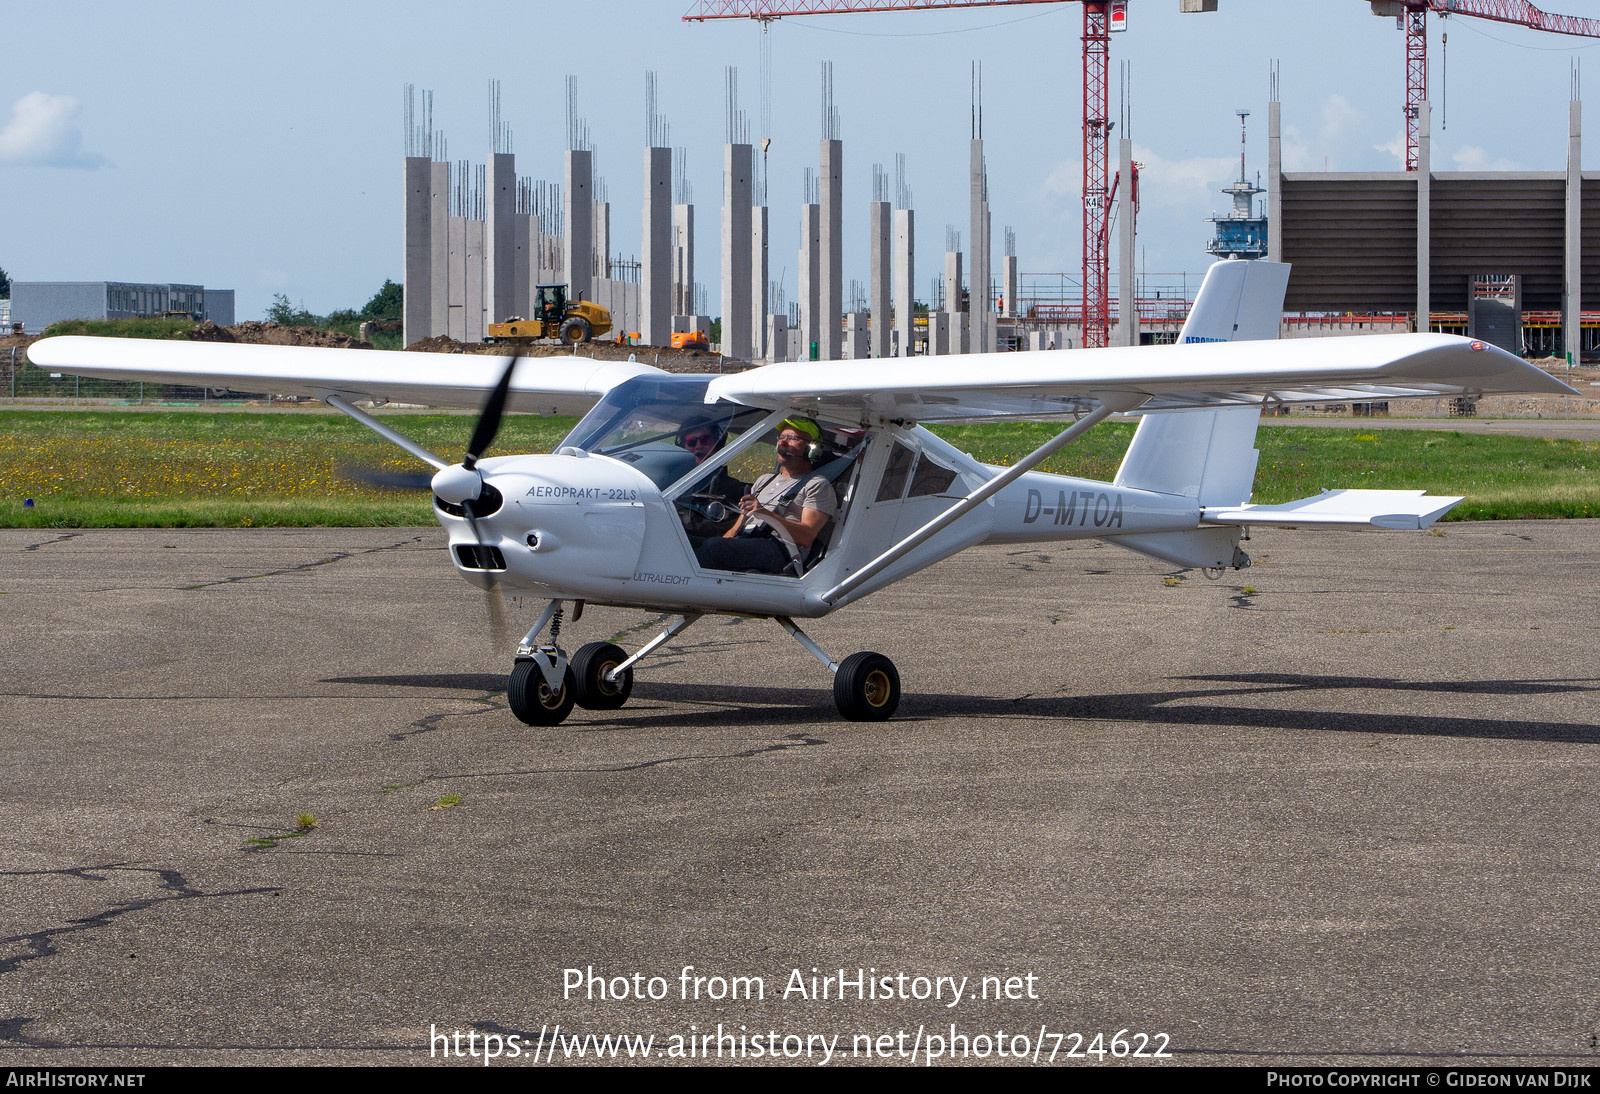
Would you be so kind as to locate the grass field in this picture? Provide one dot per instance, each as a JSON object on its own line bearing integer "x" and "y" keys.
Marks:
{"x": 243, "y": 469}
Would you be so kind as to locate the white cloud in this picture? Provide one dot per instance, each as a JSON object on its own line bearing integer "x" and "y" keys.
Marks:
{"x": 1180, "y": 182}
{"x": 1395, "y": 146}
{"x": 43, "y": 130}
{"x": 1469, "y": 157}
{"x": 1339, "y": 128}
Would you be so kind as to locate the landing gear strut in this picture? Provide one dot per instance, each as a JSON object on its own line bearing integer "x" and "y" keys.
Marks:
{"x": 544, "y": 686}
{"x": 866, "y": 686}
{"x": 542, "y": 689}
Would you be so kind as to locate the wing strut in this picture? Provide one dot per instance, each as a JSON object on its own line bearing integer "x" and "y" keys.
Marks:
{"x": 411, "y": 446}
{"x": 1111, "y": 402}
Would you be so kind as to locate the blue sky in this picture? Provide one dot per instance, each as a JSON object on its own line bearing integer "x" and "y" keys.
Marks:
{"x": 258, "y": 147}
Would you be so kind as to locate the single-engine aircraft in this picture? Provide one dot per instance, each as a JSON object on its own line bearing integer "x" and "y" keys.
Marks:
{"x": 657, "y": 497}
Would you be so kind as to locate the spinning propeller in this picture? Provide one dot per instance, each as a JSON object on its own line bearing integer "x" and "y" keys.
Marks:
{"x": 462, "y": 486}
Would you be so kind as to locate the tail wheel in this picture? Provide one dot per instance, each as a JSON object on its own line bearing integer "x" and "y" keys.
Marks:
{"x": 531, "y": 699}
{"x": 866, "y": 688}
{"x": 576, "y": 329}
{"x": 590, "y": 686}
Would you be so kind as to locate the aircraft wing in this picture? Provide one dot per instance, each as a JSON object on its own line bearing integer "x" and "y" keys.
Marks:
{"x": 560, "y": 385}
{"x": 968, "y": 387}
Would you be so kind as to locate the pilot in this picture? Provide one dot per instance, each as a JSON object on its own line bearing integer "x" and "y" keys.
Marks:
{"x": 791, "y": 504}
{"x": 702, "y": 438}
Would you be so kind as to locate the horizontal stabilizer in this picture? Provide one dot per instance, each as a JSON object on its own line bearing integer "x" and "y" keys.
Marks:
{"x": 1360, "y": 508}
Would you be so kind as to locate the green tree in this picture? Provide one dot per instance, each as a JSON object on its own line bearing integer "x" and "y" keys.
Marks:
{"x": 285, "y": 314}
{"x": 387, "y": 303}
{"x": 5, "y": 283}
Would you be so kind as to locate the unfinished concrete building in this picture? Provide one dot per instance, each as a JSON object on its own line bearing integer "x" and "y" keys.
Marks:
{"x": 1501, "y": 256}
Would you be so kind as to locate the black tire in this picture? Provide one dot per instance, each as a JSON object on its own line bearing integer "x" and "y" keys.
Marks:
{"x": 589, "y": 667}
{"x": 575, "y": 330}
{"x": 531, "y": 699}
{"x": 866, "y": 688}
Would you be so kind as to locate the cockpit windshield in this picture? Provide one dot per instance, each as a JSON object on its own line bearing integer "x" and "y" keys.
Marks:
{"x": 661, "y": 425}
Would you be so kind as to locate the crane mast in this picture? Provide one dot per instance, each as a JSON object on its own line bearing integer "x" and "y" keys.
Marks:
{"x": 1097, "y": 194}
{"x": 1413, "y": 18}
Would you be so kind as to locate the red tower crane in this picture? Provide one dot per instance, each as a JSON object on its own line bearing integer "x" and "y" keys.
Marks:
{"x": 1412, "y": 16}
{"x": 1097, "y": 191}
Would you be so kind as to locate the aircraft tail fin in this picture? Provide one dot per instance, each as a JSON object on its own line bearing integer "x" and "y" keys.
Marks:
{"x": 1210, "y": 455}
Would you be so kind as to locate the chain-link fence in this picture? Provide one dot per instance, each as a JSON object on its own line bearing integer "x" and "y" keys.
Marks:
{"x": 25, "y": 381}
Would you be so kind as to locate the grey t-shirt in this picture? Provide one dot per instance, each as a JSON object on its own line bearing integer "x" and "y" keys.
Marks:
{"x": 817, "y": 493}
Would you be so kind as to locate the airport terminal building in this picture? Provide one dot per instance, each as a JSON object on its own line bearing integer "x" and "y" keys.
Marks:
{"x": 37, "y": 304}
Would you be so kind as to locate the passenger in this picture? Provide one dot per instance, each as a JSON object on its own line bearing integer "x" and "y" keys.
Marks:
{"x": 702, "y": 438}
{"x": 790, "y": 505}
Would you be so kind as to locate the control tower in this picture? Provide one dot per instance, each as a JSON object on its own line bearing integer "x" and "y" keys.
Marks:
{"x": 1240, "y": 234}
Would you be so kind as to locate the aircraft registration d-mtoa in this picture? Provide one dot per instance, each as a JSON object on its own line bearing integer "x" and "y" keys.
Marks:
{"x": 791, "y": 490}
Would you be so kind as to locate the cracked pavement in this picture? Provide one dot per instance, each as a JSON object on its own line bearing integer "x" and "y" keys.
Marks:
{"x": 1339, "y": 808}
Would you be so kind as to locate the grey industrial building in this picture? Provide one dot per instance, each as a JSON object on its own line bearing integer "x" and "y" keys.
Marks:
{"x": 38, "y": 304}
{"x": 1510, "y": 257}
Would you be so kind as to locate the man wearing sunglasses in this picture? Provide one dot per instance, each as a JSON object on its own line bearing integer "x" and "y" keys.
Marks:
{"x": 701, "y": 438}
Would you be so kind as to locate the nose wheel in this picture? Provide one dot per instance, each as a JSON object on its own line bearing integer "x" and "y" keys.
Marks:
{"x": 531, "y": 697}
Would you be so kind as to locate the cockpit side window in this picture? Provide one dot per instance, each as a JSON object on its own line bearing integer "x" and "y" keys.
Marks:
{"x": 930, "y": 478}
{"x": 894, "y": 476}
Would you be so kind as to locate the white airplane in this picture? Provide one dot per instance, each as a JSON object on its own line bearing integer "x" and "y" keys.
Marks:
{"x": 643, "y": 505}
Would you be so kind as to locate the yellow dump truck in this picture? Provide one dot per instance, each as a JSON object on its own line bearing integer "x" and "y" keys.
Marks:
{"x": 554, "y": 316}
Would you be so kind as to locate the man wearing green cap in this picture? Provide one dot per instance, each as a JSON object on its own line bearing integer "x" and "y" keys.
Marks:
{"x": 790, "y": 505}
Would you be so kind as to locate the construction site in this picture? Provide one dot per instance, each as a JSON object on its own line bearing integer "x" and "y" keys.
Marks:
{"x": 1497, "y": 255}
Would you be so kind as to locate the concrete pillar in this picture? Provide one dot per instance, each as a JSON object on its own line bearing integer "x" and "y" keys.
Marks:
{"x": 938, "y": 333}
{"x": 736, "y": 314}
{"x": 758, "y": 284}
{"x": 777, "y": 338}
{"x": 905, "y": 255}
{"x": 1424, "y": 218}
{"x": 1011, "y": 279}
{"x": 991, "y": 328}
{"x": 439, "y": 254}
{"x": 1572, "y": 290}
{"x": 531, "y": 263}
{"x": 682, "y": 260}
{"x": 1274, "y": 182}
{"x": 474, "y": 304}
{"x": 979, "y": 318}
{"x": 855, "y": 336}
{"x": 832, "y": 248}
{"x": 577, "y": 200}
{"x": 499, "y": 239}
{"x": 952, "y": 281}
{"x": 602, "y": 240}
{"x": 879, "y": 235}
{"x": 810, "y": 278}
{"x": 456, "y": 325}
{"x": 655, "y": 251}
{"x": 417, "y": 250}
{"x": 524, "y": 236}
{"x": 1127, "y": 333}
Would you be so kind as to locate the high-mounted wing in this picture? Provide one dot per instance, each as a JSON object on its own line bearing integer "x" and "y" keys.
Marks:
{"x": 546, "y": 385}
{"x": 1060, "y": 382}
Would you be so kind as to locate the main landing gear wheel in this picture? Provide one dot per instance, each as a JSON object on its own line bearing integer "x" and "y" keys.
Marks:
{"x": 531, "y": 699}
{"x": 590, "y": 686}
{"x": 575, "y": 330}
{"x": 866, "y": 688}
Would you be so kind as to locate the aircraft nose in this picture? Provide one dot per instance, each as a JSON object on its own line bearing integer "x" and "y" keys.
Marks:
{"x": 456, "y": 484}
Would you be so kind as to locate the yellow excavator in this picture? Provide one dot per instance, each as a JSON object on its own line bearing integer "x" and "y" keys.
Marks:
{"x": 554, "y": 316}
